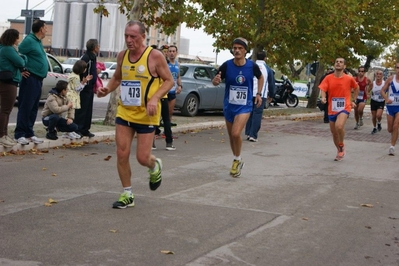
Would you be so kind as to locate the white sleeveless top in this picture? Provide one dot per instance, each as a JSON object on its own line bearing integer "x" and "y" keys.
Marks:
{"x": 376, "y": 92}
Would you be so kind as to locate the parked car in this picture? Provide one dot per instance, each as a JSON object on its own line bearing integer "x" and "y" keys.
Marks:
{"x": 109, "y": 70}
{"x": 68, "y": 64}
{"x": 198, "y": 93}
{"x": 55, "y": 73}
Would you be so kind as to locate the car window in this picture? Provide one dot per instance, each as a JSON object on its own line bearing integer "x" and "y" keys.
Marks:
{"x": 108, "y": 64}
{"x": 55, "y": 65}
{"x": 201, "y": 73}
{"x": 183, "y": 70}
{"x": 213, "y": 71}
{"x": 113, "y": 66}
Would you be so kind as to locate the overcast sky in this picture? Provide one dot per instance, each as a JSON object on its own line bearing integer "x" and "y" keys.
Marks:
{"x": 200, "y": 43}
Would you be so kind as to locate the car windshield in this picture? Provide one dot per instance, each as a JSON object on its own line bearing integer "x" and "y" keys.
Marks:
{"x": 70, "y": 61}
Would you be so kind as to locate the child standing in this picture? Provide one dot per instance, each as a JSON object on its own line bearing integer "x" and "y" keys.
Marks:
{"x": 100, "y": 67}
{"x": 52, "y": 115}
{"x": 75, "y": 85}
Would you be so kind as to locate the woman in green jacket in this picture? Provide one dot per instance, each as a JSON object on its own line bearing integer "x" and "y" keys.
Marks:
{"x": 13, "y": 62}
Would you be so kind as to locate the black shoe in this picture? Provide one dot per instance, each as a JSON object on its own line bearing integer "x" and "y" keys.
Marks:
{"x": 52, "y": 135}
{"x": 379, "y": 127}
{"x": 374, "y": 131}
{"x": 173, "y": 124}
{"x": 87, "y": 134}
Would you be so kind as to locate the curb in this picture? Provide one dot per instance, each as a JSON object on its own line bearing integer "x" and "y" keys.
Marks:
{"x": 101, "y": 136}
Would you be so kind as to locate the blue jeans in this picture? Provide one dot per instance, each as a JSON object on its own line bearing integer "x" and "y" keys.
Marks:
{"x": 55, "y": 121}
{"x": 253, "y": 124}
{"x": 30, "y": 90}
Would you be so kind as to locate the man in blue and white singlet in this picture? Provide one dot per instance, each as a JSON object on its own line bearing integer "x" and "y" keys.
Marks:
{"x": 175, "y": 70}
{"x": 238, "y": 74}
{"x": 392, "y": 103}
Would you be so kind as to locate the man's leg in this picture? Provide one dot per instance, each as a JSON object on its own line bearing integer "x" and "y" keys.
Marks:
{"x": 166, "y": 121}
{"x": 257, "y": 114}
{"x": 123, "y": 137}
{"x": 395, "y": 127}
{"x": 234, "y": 130}
{"x": 26, "y": 102}
{"x": 360, "y": 109}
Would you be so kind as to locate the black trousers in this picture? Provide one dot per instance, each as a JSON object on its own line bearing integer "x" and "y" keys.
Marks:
{"x": 84, "y": 115}
{"x": 166, "y": 120}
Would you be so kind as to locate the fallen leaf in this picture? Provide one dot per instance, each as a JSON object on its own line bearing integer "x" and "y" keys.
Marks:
{"x": 51, "y": 201}
{"x": 48, "y": 204}
{"x": 44, "y": 169}
{"x": 367, "y": 205}
{"x": 107, "y": 158}
{"x": 167, "y": 252}
{"x": 113, "y": 230}
{"x": 388, "y": 245}
{"x": 54, "y": 174}
{"x": 368, "y": 227}
{"x": 393, "y": 218}
{"x": 305, "y": 218}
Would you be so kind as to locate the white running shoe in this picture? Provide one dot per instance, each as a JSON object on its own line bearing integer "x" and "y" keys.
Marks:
{"x": 251, "y": 139}
{"x": 392, "y": 151}
{"x": 22, "y": 141}
{"x": 36, "y": 140}
{"x": 70, "y": 135}
{"x": 76, "y": 135}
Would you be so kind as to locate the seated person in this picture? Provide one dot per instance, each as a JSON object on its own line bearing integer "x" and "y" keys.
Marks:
{"x": 53, "y": 112}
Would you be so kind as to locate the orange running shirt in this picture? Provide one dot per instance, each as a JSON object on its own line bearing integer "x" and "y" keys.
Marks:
{"x": 339, "y": 92}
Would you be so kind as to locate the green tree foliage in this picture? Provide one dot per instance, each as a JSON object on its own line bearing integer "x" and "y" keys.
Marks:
{"x": 305, "y": 30}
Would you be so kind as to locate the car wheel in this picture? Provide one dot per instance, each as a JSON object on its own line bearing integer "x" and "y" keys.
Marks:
{"x": 104, "y": 76}
{"x": 190, "y": 106}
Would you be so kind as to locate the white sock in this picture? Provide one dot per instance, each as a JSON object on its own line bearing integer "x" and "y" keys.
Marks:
{"x": 128, "y": 190}
{"x": 155, "y": 168}
{"x": 237, "y": 158}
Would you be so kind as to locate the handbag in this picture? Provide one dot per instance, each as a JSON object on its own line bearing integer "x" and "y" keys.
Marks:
{"x": 6, "y": 76}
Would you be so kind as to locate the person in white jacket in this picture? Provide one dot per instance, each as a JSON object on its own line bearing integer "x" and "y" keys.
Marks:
{"x": 253, "y": 124}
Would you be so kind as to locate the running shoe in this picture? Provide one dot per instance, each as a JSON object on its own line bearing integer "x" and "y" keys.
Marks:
{"x": 156, "y": 176}
{"x": 357, "y": 126}
{"x": 236, "y": 168}
{"x": 374, "y": 131}
{"x": 124, "y": 201}
{"x": 379, "y": 127}
{"x": 361, "y": 122}
{"x": 70, "y": 135}
{"x": 170, "y": 147}
{"x": 392, "y": 151}
{"x": 253, "y": 139}
{"x": 36, "y": 140}
{"x": 340, "y": 154}
{"x": 22, "y": 141}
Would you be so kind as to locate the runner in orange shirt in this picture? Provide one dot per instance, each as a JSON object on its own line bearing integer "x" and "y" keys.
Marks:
{"x": 339, "y": 87}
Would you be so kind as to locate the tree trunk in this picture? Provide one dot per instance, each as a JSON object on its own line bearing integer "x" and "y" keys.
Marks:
{"x": 135, "y": 14}
{"x": 312, "y": 102}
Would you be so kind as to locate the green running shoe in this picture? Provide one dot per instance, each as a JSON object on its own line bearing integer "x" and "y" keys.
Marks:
{"x": 156, "y": 176}
{"x": 124, "y": 201}
{"x": 236, "y": 168}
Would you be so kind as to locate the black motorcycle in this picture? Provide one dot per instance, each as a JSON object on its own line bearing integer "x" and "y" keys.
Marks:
{"x": 284, "y": 93}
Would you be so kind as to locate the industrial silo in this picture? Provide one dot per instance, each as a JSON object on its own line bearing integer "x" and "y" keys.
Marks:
{"x": 60, "y": 27}
{"x": 91, "y": 30}
{"x": 120, "y": 33}
{"x": 77, "y": 22}
{"x": 109, "y": 27}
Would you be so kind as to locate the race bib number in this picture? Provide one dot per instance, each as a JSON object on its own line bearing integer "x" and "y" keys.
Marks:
{"x": 131, "y": 92}
{"x": 377, "y": 96}
{"x": 338, "y": 104}
{"x": 360, "y": 95}
{"x": 238, "y": 95}
{"x": 395, "y": 98}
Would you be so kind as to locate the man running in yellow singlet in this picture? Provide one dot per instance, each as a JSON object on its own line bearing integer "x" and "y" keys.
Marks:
{"x": 138, "y": 73}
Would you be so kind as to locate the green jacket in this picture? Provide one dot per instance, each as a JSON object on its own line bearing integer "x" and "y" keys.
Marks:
{"x": 11, "y": 60}
{"x": 37, "y": 63}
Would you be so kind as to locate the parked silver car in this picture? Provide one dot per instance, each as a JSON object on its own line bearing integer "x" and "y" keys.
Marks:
{"x": 67, "y": 65}
{"x": 198, "y": 93}
{"x": 55, "y": 73}
{"x": 109, "y": 70}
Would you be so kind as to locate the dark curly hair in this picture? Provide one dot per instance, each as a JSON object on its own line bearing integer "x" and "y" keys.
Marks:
{"x": 9, "y": 37}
